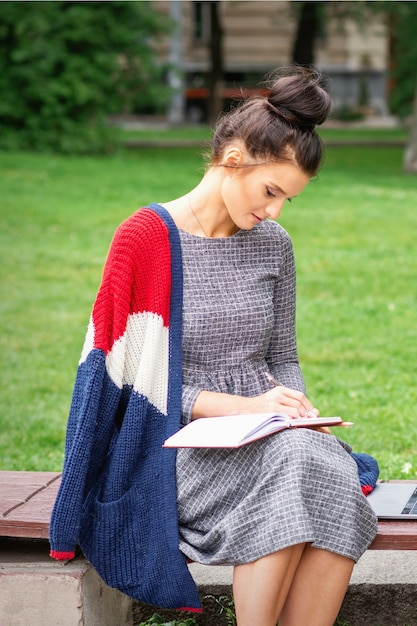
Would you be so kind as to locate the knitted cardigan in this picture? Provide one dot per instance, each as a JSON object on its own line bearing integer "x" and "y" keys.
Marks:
{"x": 117, "y": 498}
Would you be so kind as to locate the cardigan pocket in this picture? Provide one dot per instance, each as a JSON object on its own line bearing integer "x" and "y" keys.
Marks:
{"x": 126, "y": 543}
{"x": 116, "y": 549}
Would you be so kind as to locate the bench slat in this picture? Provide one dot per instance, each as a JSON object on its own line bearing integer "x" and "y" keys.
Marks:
{"x": 26, "y": 501}
{"x": 27, "y": 498}
{"x": 395, "y": 535}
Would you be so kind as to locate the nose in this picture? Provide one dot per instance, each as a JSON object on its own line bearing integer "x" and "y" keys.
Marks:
{"x": 273, "y": 210}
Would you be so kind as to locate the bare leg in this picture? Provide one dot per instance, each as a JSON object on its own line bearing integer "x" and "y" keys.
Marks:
{"x": 317, "y": 590}
{"x": 260, "y": 588}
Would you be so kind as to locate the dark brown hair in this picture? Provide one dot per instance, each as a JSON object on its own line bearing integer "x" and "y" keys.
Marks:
{"x": 281, "y": 125}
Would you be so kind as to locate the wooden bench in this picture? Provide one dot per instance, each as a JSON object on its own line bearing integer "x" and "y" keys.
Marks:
{"x": 31, "y": 580}
{"x": 26, "y": 500}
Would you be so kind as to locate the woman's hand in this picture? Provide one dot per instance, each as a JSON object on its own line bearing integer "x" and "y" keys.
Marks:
{"x": 286, "y": 400}
{"x": 282, "y": 399}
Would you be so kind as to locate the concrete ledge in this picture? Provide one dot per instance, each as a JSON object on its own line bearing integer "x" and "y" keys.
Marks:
{"x": 382, "y": 592}
{"x": 36, "y": 590}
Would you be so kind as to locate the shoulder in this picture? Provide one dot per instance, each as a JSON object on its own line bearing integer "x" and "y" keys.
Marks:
{"x": 150, "y": 232}
{"x": 138, "y": 275}
{"x": 140, "y": 256}
{"x": 272, "y": 235}
{"x": 145, "y": 226}
{"x": 272, "y": 229}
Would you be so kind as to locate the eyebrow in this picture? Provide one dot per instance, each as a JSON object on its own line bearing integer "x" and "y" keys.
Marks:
{"x": 278, "y": 188}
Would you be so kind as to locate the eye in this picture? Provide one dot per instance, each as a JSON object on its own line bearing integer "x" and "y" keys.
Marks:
{"x": 270, "y": 193}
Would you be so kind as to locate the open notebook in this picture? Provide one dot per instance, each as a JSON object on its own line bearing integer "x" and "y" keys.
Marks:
{"x": 233, "y": 431}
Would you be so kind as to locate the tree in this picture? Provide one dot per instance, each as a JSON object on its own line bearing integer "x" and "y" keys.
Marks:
{"x": 410, "y": 157}
{"x": 311, "y": 18}
{"x": 215, "y": 77}
{"x": 175, "y": 71}
{"x": 402, "y": 19}
{"x": 309, "y": 26}
{"x": 64, "y": 66}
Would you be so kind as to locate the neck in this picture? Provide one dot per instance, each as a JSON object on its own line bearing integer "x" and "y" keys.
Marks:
{"x": 207, "y": 211}
{"x": 202, "y": 211}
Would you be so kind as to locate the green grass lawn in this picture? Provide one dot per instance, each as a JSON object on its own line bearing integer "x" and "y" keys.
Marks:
{"x": 353, "y": 231}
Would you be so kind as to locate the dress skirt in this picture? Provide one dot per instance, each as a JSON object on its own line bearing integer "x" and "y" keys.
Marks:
{"x": 300, "y": 485}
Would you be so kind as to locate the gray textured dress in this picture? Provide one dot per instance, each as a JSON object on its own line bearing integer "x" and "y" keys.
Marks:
{"x": 237, "y": 505}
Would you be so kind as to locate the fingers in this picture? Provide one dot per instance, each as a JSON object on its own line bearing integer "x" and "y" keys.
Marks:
{"x": 325, "y": 430}
{"x": 295, "y": 403}
{"x": 321, "y": 429}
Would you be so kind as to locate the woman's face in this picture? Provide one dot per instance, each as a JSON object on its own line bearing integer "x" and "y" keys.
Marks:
{"x": 253, "y": 192}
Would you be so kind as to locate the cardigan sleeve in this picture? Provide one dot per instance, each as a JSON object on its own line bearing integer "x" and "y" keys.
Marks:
{"x": 133, "y": 303}
{"x": 95, "y": 400}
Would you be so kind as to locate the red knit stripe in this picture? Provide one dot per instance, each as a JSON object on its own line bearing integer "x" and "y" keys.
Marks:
{"x": 140, "y": 249}
{"x": 61, "y": 556}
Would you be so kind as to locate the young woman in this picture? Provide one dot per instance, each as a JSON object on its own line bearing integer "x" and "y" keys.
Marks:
{"x": 286, "y": 511}
{"x": 202, "y": 290}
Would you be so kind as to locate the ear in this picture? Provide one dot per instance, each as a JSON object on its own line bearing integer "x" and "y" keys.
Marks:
{"x": 233, "y": 156}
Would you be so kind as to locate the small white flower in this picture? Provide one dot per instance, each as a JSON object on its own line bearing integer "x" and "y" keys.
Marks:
{"x": 406, "y": 468}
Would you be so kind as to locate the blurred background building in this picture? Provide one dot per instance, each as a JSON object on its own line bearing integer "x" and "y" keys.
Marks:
{"x": 251, "y": 38}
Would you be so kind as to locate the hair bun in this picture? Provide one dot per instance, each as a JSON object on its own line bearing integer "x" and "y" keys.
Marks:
{"x": 289, "y": 117}
{"x": 299, "y": 97}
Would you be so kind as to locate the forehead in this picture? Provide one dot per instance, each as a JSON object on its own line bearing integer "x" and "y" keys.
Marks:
{"x": 286, "y": 176}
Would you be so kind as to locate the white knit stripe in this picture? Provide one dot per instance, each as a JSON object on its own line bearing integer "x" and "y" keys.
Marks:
{"x": 88, "y": 342}
{"x": 147, "y": 356}
{"x": 139, "y": 357}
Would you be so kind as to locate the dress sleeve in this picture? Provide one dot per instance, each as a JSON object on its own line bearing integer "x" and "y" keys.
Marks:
{"x": 189, "y": 396}
{"x": 282, "y": 355}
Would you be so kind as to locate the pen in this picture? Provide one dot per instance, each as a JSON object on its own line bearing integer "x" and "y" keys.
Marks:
{"x": 276, "y": 382}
